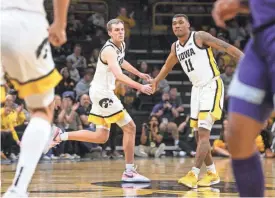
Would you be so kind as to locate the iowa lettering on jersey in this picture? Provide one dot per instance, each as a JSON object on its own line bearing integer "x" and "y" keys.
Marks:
{"x": 186, "y": 54}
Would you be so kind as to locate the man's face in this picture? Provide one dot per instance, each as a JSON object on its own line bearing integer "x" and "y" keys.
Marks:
{"x": 117, "y": 32}
{"x": 165, "y": 97}
{"x": 7, "y": 110}
{"x": 180, "y": 26}
{"x": 77, "y": 51}
{"x": 173, "y": 93}
{"x": 85, "y": 100}
{"x": 123, "y": 11}
{"x": 154, "y": 121}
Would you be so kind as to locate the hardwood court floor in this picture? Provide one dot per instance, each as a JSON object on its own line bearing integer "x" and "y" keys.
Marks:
{"x": 102, "y": 179}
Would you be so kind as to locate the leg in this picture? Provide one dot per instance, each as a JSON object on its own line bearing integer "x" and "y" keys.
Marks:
{"x": 172, "y": 128}
{"x": 208, "y": 158}
{"x": 37, "y": 136}
{"x": 249, "y": 107}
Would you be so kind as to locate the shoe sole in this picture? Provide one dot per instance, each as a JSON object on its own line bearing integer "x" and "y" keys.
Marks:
{"x": 124, "y": 181}
{"x": 212, "y": 183}
{"x": 189, "y": 186}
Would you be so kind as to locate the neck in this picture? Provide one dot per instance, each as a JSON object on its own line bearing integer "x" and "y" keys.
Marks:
{"x": 117, "y": 43}
{"x": 184, "y": 38}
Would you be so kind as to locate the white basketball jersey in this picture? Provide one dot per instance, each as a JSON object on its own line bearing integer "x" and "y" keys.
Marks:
{"x": 27, "y": 5}
{"x": 104, "y": 79}
{"x": 198, "y": 63}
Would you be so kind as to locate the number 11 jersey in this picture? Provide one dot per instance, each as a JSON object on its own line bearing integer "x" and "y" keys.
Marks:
{"x": 197, "y": 62}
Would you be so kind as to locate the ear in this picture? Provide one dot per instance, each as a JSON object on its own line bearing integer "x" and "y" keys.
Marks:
{"x": 188, "y": 24}
{"x": 109, "y": 33}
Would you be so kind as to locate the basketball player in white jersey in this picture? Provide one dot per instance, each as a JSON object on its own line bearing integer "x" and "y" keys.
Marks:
{"x": 106, "y": 107}
{"x": 193, "y": 51}
{"x": 26, "y": 56}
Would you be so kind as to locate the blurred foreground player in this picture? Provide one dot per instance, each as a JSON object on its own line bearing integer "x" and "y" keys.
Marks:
{"x": 252, "y": 91}
{"x": 26, "y": 56}
{"x": 107, "y": 108}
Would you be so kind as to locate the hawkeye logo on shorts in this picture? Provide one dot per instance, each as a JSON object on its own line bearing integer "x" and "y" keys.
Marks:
{"x": 106, "y": 102}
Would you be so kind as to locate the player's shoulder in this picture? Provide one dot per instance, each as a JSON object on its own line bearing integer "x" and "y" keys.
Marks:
{"x": 174, "y": 46}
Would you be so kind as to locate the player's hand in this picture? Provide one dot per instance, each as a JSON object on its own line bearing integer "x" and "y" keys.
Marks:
{"x": 57, "y": 34}
{"x": 225, "y": 10}
{"x": 146, "y": 89}
{"x": 146, "y": 77}
{"x": 154, "y": 85}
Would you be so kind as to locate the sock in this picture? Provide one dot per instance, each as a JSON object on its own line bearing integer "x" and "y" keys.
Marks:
{"x": 129, "y": 167}
{"x": 196, "y": 171}
{"x": 33, "y": 142}
{"x": 249, "y": 176}
{"x": 64, "y": 136}
{"x": 211, "y": 168}
{"x": 176, "y": 142}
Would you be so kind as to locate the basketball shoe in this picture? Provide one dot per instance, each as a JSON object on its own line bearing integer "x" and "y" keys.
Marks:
{"x": 209, "y": 179}
{"x": 190, "y": 180}
{"x": 133, "y": 176}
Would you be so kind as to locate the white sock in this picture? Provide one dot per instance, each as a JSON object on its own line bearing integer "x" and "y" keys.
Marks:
{"x": 129, "y": 167}
{"x": 196, "y": 171}
{"x": 34, "y": 140}
{"x": 211, "y": 168}
{"x": 64, "y": 136}
{"x": 176, "y": 142}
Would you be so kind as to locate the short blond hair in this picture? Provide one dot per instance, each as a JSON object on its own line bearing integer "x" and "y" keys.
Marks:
{"x": 113, "y": 21}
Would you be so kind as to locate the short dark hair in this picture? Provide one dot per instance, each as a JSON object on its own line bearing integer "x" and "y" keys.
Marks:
{"x": 181, "y": 15}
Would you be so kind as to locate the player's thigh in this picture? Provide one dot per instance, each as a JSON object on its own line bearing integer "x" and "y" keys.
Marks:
{"x": 26, "y": 53}
{"x": 250, "y": 90}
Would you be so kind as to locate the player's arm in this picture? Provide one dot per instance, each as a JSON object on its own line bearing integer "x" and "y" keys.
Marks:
{"x": 127, "y": 66}
{"x": 109, "y": 55}
{"x": 60, "y": 11}
{"x": 207, "y": 39}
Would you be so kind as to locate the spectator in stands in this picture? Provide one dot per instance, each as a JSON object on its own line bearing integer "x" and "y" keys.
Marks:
{"x": 176, "y": 100}
{"x": 187, "y": 142}
{"x": 82, "y": 87}
{"x": 74, "y": 74}
{"x": 69, "y": 120}
{"x": 11, "y": 118}
{"x": 93, "y": 58}
{"x": 84, "y": 111}
{"x": 219, "y": 146}
{"x": 235, "y": 31}
{"x": 97, "y": 19}
{"x": 167, "y": 112}
{"x": 163, "y": 85}
{"x": 79, "y": 61}
{"x": 143, "y": 69}
{"x": 129, "y": 23}
{"x": 74, "y": 27}
{"x": 66, "y": 84}
{"x": 227, "y": 78}
{"x": 151, "y": 139}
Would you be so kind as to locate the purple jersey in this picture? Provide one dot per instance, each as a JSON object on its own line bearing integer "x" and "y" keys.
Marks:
{"x": 263, "y": 13}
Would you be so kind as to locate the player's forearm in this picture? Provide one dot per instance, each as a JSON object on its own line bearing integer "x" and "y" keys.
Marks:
{"x": 60, "y": 11}
{"x": 235, "y": 52}
{"x": 163, "y": 73}
{"x": 128, "y": 81}
{"x": 127, "y": 66}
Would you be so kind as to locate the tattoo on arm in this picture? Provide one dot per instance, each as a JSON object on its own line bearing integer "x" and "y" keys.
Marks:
{"x": 209, "y": 40}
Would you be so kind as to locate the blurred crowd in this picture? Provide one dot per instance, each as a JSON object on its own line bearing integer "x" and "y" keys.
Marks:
{"x": 168, "y": 122}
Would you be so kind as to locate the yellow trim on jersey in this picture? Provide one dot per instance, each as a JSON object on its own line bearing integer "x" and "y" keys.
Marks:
{"x": 193, "y": 123}
{"x": 100, "y": 120}
{"x": 37, "y": 86}
{"x": 216, "y": 110}
{"x": 212, "y": 61}
{"x": 203, "y": 115}
{"x": 2, "y": 94}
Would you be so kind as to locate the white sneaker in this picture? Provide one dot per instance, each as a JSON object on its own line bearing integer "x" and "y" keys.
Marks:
{"x": 134, "y": 177}
{"x": 76, "y": 156}
{"x": 11, "y": 193}
{"x": 160, "y": 150}
{"x": 53, "y": 157}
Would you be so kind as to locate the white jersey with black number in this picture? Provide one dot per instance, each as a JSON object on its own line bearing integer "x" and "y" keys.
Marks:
{"x": 198, "y": 63}
{"x": 104, "y": 79}
{"x": 25, "y": 5}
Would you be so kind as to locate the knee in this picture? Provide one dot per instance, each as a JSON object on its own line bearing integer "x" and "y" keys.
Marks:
{"x": 172, "y": 126}
{"x": 102, "y": 137}
{"x": 203, "y": 134}
{"x": 130, "y": 128}
{"x": 162, "y": 127}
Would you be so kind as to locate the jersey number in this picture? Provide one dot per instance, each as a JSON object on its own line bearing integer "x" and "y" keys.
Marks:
{"x": 189, "y": 65}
